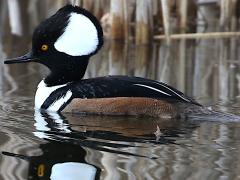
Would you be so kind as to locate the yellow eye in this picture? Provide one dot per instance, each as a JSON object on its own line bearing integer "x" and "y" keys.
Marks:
{"x": 44, "y": 47}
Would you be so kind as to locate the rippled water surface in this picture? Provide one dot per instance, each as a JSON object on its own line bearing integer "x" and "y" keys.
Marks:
{"x": 32, "y": 143}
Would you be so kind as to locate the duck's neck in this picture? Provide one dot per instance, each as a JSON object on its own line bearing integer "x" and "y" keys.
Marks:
{"x": 64, "y": 74}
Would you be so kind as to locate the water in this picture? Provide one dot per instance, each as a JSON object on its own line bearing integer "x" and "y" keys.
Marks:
{"x": 127, "y": 147}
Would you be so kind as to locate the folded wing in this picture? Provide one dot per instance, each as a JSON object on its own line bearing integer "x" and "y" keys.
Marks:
{"x": 124, "y": 86}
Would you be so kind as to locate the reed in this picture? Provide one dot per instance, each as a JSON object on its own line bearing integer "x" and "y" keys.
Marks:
{"x": 117, "y": 19}
{"x": 166, "y": 20}
{"x": 144, "y": 20}
{"x": 200, "y": 35}
{"x": 183, "y": 16}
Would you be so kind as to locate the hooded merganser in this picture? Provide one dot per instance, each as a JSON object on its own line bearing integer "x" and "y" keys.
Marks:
{"x": 64, "y": 43}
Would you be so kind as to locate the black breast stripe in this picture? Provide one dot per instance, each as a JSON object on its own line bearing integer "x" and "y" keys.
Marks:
{"x": 54, "y": 96}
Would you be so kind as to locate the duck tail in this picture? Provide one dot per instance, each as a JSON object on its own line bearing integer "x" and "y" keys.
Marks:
{"x": 202, "y": 113}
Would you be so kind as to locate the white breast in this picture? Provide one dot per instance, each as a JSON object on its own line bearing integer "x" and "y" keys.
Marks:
{"x": 43, "y": 92}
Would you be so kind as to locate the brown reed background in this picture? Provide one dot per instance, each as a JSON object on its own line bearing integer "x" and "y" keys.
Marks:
{"x": 138, "y": 21}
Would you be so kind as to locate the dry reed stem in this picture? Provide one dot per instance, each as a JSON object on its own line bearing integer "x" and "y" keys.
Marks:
{"x": 166, "y": 20}
{"x": 200, "y": 35}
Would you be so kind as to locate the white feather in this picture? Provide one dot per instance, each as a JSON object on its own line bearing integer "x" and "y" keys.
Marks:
{"x": 175, "y": 92}
{"x": 79, "y": 38}
{"x": 155, "y": 89}
{"x": 43, "y": 92}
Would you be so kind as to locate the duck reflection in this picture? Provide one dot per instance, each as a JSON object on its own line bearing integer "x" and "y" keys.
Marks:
{"x": 76, "y": 145}
{"x": 106, "y": 138}
{"x": 59, "y": 161}
{"x": 106, "y": 133}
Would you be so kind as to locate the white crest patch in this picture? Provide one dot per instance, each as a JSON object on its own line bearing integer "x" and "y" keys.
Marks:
{"x": 43, "y": 92}
{"x": 80, "y": 37}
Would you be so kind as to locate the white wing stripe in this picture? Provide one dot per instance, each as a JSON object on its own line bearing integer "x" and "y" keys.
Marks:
{"x": 153, "y": 89}
{"x": 174, "y": 92}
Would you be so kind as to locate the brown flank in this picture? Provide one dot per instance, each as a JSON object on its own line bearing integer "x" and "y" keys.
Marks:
{"x": 136, "y": 106}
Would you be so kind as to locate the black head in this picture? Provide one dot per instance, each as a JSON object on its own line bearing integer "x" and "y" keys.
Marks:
{"x": 64, "y": 43}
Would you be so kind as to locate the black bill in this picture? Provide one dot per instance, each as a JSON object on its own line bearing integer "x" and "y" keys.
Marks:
{"x": 22, "y": 59}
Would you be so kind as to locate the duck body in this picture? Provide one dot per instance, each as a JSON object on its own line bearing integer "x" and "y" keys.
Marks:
{"x": 113, "y": 95}
{"x": 64, "y": 43}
